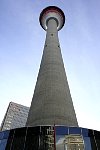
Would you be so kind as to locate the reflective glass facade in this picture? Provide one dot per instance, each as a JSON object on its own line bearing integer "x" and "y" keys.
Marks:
{"x": 15, "y": 117}
{"x": 50, "y": 138}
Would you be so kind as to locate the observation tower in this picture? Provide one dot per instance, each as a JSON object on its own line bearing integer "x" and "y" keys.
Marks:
{"x": 51, "y": 123}
{"x": 52, "y": 103}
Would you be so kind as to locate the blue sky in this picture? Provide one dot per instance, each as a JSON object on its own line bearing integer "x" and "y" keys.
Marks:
{"x": 21, "y": 46}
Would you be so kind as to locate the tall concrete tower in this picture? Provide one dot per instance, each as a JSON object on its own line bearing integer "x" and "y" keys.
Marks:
{"x": 52, "y": 103}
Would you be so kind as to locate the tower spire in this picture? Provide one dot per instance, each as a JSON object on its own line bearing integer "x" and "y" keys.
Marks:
{"x": 52, "y": 103}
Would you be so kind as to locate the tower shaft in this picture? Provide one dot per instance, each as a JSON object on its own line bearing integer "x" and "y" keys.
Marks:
{"x": 52, "y": 103}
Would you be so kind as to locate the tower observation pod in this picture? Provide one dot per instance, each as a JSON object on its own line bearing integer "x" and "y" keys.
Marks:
{"x": 52, "y": 103}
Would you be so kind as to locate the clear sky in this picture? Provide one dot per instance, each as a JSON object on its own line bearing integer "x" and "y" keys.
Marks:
{"x": 21, "y": 46}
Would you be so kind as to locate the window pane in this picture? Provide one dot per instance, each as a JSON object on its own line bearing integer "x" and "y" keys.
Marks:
{"x": 47, "y": 138}
{"x": 90, "y": 133}
{"x": 60, "y": 142}
{"x": 32, "y": 139}
{"x": 70, "y": 142}
{"x": 6, "y": 134}
{"x": 10, "y": 139}
{"x": 19, "y": 139}
{"x": 61, "y": 130}
{"x": 74, "y": 130}
{"x": 88, "y": 145}
{"x": 98, "y": 143}
{"x": 1, "y": 135}
{"x": 97, "y": 134}
{"x": 93, "y": 144}
{"x": 3, "y": 144}
{"x": 85, "y": 132}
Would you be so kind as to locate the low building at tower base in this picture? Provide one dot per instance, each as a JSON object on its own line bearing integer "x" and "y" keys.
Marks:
{"x": 50, "y": 138}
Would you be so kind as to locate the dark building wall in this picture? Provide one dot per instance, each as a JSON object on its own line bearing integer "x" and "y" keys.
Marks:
{"x": 50, "y": 138}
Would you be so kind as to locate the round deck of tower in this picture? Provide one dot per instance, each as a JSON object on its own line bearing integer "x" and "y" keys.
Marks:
{"x": 52, "y": 12}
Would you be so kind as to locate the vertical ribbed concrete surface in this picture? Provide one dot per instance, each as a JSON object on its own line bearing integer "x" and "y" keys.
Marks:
{"x": 52, "y": 103}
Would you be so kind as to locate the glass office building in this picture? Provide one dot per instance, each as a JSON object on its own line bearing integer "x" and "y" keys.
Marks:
{"x": 50, "y": 138}
{"x": 15, "y": 116}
